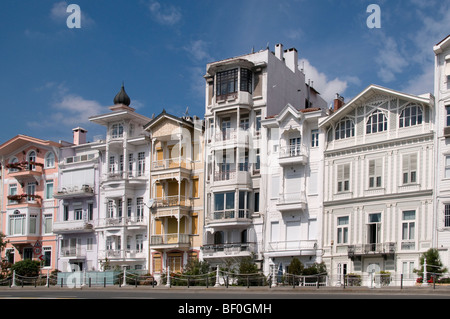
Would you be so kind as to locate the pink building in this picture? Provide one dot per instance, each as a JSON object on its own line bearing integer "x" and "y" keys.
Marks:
{"x": 29, "y": 176}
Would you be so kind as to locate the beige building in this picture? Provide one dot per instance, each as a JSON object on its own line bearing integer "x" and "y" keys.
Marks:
{"x": 176, "y": 191}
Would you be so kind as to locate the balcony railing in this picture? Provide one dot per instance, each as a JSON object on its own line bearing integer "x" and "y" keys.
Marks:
{"x": 171, "y": 201}
{"x": 226, "y": 135}
{"x": 229, "y": 248}
{"x": 74, "y": 191}
{"x": 299, "y": 245}
{"x": 372, "y": 249}
{"x": 115, "y": 254}
{"x": 121, "y": 221}
{"x": 73, "y": 252}
{"x": 293, "y": 154}
{"x": 170, "y": 239}
{"x": 72, "y": 226}
{"x": 125, "y": 175}
{"x": 24, "y": 198}
{"x": 172, "y": 163}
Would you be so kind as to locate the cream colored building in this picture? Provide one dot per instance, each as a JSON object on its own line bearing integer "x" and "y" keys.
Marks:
{"x": 176, "y": 191}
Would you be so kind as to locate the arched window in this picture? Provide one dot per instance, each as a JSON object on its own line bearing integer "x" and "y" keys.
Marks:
{"x": 345, "y": 128}
{"x": 411, "y": 115}
{"x": 31, "y": 159}
{"x": 12, "y": 161}
{"x": 377, "y": 122}
{"x": 49, "y": 160}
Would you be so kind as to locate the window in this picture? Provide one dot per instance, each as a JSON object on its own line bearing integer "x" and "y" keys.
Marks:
{"x": 17, "y": 224}
{"x": 244, "y": 204}
{"x": 342, "y": 230}
{"x": 224, "y": 205}
{"x": 408, "y": 229}
{"x": 48, "y": 224}
{"x": 78, "y": 214}
{"x": 256, "y": 207}
{"x": 116, "y": 131}
{"x": 447, "y": 109}
{"x": 409, "y": 168}
{"x": 49, "y": 160}
{"x": 12, "y": 161}
{"x": 139, "y": 243}
{"x": 246, "y": 80}
{"x": 295, "y": 146}
{"x": 129, "y": 206}
{"x": 89, "y": 243}
{"x": 47, "y": 256}
{"x": 375, "y": 173}
{"x": 243, "y": 160}
{"x": 410, "y": 116}
{"x": 345, "y": 128}
{"x": 90, "y": 211}
{"x": 33, "y": 224}
{"x": 447, "y": 166}
{"x": 12, "y": 191}
{"x": 377, "y": 122}
{"x": 66, "y": 212}
{"x": 258, "y": 122}
{"x": 141, "y": 163}
{"x": 110, "y": 209}
{"x": 31, "y": 159}
{"x": 314, "y": 138}
{"x": 49, "y": 189}
{"x": 227, "y": 82}
{"x": 447, "y": 215}
{"x": 343, "y": 178}
{"x": 245, "y": 123}
{"x": 31, "y": 190}
{"x": 112, "y": 165}
{"x": 139, "y": 209}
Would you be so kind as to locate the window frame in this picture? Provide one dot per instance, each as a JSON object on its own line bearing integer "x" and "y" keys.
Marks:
{"x": 341, "y": 130}
{"x": 376, "y": 122}
{"x": 406, "y": 120}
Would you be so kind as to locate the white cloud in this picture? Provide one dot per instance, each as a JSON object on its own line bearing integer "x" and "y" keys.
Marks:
{"x": 166, "y": 15}
{"x": 327, "y": 88}
{"x": 198, "y": 50}
{"x": 67, "y": 109}
{"x": 390, "y": 60}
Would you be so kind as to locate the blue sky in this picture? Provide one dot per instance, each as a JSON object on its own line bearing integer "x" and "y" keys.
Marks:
{"x": 53, "y": 78}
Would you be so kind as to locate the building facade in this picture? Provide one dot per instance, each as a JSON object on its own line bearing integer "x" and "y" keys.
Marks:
{"x": 176, "y": 192}
{"x": 122, "y": 226}
{"x": 29, "y": 177}
{"x": 442, "y": 186}
{"x": 78, "y": 211}
{"x": 378, "y": 184}
{"x": 240, "y": 93}
{"x": 294, "y": 191}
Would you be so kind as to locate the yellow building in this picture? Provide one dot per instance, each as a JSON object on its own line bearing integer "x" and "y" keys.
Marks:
{"x": 176, "y": 197}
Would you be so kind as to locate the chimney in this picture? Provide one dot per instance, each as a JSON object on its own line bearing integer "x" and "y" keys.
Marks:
{"x": 291, "y": 57}
{"x": 338, "y": 102}
{"x": 279, "y": 51}
{"x": 79, "y": 136}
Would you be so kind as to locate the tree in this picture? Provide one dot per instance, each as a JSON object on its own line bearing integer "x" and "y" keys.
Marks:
{"x": 248, "y": 271}
{"x": 434, "y": 264}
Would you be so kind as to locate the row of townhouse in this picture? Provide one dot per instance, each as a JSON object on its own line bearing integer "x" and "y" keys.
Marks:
{"x": 271, "y": 172}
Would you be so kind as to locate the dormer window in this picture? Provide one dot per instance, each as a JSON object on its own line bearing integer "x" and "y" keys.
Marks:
{"x": 377, "y": 122}
{"x": 345, "y": 128}
{"x": 411, "y": 115}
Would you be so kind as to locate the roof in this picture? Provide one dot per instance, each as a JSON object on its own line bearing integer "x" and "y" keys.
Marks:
{"x": 439, "y": 47}
{"x": 165, "y": 115}
{"x": 21, "y": 141}
{"x": 365, "y": 95}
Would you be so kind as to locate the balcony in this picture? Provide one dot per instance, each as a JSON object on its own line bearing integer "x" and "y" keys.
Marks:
{"x": 29, "y": 200}
{"x": 292, "y": 201}
{"x": 293, "y": 154}
{"x": 291, "y": 248}
{"x": 121, "y": 254}
{"x": 232, "y": 176}
{"x": 228, "y": 250}
{"x": 135, "y": 176}
{"x": 25, "y": 170}
{"x": 170, "y": 241}
{"x": 229, "y": 218}
{"x": 171, "y": 163}
{"x": 374, "y": 249}
{"x": 74, "y": 192}
{"x": 72, "y": 226}
{"x": 117, "y": 222}
{"x": 73, "y": 252}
